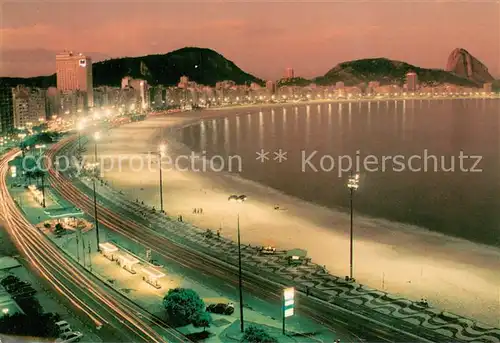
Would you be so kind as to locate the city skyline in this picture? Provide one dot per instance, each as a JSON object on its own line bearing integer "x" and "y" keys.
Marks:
{"x": 262, "y": 39}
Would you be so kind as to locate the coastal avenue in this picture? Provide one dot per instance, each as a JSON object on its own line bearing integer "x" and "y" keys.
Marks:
{"x": 119, "y": 219}
{"x": 112, "y": 313}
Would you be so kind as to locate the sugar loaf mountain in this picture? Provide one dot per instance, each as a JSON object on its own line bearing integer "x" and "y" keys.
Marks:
{"x": 206, "y": 66}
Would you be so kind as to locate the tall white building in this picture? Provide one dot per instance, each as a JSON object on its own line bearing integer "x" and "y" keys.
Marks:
{"x": 74, "y": 73}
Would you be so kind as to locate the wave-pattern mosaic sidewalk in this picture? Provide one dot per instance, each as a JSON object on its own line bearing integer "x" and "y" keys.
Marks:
{"x": 312, "y": 277}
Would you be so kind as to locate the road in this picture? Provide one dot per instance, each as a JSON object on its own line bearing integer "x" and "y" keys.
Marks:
{"x": 121, "y": 218}
{"x": 112, "y": 313}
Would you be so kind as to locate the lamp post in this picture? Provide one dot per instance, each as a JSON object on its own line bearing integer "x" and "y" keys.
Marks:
{"x": 97, "y": 136}
{"x": 43, "y": 190}
{"x": 240, "y": 199}
{"x": 353, "y": 185}
{"x": 161, "y": 152}
{"x": 79, "y": 128}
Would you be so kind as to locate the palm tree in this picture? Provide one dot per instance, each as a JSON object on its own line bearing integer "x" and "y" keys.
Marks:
{"x": 38, "y": 174}
{"x": 29, "y": 175}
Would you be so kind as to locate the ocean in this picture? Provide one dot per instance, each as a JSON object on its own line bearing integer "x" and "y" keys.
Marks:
{"x": 431, "y": 163}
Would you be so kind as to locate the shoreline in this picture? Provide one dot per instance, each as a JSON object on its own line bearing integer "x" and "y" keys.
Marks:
{"x": 455, "y": 274}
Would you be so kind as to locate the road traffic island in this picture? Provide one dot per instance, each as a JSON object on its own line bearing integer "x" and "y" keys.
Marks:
{"x": 108, "y": 250}
{"x": 152, "y": 275}
{"x": 127, "y": 261}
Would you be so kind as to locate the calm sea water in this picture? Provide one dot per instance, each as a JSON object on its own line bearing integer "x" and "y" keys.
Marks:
{"x": 459, "y": 202}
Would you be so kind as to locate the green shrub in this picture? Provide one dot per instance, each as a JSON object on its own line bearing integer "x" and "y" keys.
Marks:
{"x": 255, "y": 334}
{"x": 183, "y": 306}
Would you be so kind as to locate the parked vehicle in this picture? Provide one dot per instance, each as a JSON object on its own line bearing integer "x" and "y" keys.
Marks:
{"x": 70, "y": 337}
{"x": 221, "y": 308}
{"x": 9, "y": 280}
{"x": 268, "y": 250}
{"x": 63, "y": 327}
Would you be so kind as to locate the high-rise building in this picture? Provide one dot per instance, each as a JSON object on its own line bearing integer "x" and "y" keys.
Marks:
{"x": 339, "y": 85}
{"x": 271, "y": 87}
{"x": 411, "y": 81}
{"x": 141, "y": 89}
{"x": 29, "y": 106}
{"x": 289, "y": 73}
{"x": 74, "y": 73}
{"x": 487, "y": 87}
{"x": 52, "y": 102}
{"x": 6, "y": 110}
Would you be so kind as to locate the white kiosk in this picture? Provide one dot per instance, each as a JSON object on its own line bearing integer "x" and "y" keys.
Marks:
{"x": 127, "y": 262}
{"x": 152, "y": 275}
{"x": 108, "y": 250}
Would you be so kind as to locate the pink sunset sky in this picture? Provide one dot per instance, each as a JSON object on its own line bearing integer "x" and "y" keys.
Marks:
{"x": 261, "y": 37}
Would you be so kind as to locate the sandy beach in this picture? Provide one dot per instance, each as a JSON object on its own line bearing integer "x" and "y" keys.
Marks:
{"x": 452, "y": 274}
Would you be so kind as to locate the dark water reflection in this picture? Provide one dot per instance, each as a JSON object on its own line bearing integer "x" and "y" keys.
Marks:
{"x": 459, "y": 203}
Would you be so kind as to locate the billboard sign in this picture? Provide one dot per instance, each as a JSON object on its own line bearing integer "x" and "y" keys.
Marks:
{"x": 288, "y": 301}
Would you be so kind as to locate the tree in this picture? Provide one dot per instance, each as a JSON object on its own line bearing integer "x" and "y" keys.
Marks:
{"x": 47, "y": 225}
{"x": 39, "y": 325}
{"x": 59, "y": 229}
{"x": 30, "y": 306}
{"x": 203, "y": 320}
{"x": 29, "y": 174}
{"x": 38, "y": 174}
{"x": 183, "y": 306}
{"x": 255, "y": 334}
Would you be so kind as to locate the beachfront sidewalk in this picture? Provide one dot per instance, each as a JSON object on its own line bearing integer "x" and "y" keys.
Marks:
{"x": 315, "y": 278}
{"x": 133, "y": 286}
{"x": 82, "y": 246}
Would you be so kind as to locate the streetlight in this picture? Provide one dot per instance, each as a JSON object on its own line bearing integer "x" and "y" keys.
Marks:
{"x": 240, "y": 199}
{"x": 353, "y": 185}
{"x": 161, "y": 152}
{"x": 97, "y": 136}
{"x": 79, "y": 128}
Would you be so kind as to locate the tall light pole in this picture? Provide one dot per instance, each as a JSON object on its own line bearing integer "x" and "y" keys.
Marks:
{"x": 79, "y": 128}
{"x": 97, "y": 136}
{"x": 240, "y": 199}
{"x": 161, "y": 152}
{"x": 43, "y": 189}
{"x": 353, "y": 185}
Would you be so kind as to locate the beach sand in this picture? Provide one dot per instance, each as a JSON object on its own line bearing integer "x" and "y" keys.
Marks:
{"x": 452, "y": 274}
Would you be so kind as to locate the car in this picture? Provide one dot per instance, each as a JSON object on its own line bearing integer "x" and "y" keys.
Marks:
{"x": 221, "y": 308}
{"x": 70, "y": 337}
{"x": 268, "y": 250}
{"x": 9, "y": 280}
{"x": 63, "y": 327}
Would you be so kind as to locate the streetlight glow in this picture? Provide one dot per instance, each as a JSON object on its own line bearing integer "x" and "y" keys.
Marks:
{"x": 162, "y": 149}
{"x": 97, "y": 135}
{"x": 353, "y": 182}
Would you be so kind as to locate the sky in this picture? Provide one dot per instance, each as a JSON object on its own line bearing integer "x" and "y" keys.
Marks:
{"x": 261, "y": 37}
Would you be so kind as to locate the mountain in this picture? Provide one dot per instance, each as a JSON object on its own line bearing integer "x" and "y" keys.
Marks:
{"x": 205, "y": 66}
{"x": 37, "y": 81}
{"x": 463, "y": 64}
{"x": 386, "y": 71}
